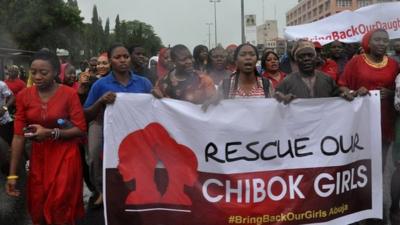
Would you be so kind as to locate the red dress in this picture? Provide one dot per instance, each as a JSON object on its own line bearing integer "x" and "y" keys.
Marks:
{"x": 55, "y": 175}
{"x": 274, "y": 81}
{"x": 359, "y": 72}
{"x": 330, "y": 67}
{"x": 15, "y": 85}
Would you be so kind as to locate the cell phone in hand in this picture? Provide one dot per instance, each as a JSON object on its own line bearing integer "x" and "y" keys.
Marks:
{"x": 29, "y": 131}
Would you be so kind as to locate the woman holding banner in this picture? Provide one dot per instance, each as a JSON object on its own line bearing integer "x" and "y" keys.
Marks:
{"x": 184, "y": 83}
{"x": 374, "y": 70}
{"x": 246, "y": 82}
{"x": 103, "y": 92}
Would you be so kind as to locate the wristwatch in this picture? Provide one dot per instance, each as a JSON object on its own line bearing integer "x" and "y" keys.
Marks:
{"x": 5, "y": 108}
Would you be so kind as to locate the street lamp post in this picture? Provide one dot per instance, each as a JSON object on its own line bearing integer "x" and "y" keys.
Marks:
{"x": 209, "y": 34}
{"x": 242, "y": 15}
{"x": 215, "y": 19}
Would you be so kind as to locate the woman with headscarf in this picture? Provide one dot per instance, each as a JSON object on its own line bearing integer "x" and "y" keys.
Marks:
{"x": 374, "y": 70}
{"x": 55, "y": 176}
{"x": 164, "y": 64}
{"x": 68, "y": 76}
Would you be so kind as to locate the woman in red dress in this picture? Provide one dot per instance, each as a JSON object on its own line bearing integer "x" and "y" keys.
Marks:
{"x": 374, "y": 70}
{"x": 55, "y": 175}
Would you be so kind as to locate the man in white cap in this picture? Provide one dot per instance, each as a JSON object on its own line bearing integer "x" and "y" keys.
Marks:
{"x": 307, "y": 82}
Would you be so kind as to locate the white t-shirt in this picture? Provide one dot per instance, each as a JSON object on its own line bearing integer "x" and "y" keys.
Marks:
{"x": 5, "y": 92}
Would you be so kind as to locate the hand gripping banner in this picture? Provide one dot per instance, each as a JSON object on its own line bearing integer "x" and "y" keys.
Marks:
{"x": 315, "y": 161}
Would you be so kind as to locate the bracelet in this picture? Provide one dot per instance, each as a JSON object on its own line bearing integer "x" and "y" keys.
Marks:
{"x": 12, "y": 177}
{"x": 55, "y": 134}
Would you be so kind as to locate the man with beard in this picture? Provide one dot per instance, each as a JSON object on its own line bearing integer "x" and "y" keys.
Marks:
{"x": 307, "y": 82}
{"x": 139, "y": 63}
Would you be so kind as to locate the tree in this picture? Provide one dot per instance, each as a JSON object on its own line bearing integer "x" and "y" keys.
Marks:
{"x": 72, "y": 3}
{"x": 140, "y": 33}
{"x": 97, "y": 34}
{"x": 117, "y": 30}
{"x": 107, "y": 40}
{"x": 33, "y": 24}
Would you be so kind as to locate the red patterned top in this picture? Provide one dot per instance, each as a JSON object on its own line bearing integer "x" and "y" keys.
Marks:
{"x": 257, "y": 90}
{"x": 275, "y": 82}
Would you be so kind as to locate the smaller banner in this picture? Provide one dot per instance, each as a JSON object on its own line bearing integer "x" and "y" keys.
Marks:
{"x": 350, "y": 26}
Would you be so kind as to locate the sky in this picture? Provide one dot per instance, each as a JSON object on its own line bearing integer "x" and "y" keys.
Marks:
{"x": 185, "y": 21}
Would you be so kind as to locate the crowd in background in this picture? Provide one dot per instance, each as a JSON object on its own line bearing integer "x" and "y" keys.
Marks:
{"x": 55, "y": 111}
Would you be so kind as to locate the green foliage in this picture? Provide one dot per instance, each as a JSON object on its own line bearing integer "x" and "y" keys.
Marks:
{"x": 96, "y": 35}
{"x": 107, "y": 36}
{"x": 139, "y": 33}
{"x": 117, "y": 29}
{"x": 35, "y": 24}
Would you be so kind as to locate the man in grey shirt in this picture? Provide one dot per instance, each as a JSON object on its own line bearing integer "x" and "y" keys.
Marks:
{"x": 307, "y": 82}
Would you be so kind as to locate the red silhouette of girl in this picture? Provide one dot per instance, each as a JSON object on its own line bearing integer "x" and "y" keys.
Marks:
{"x": 139, "y": 153}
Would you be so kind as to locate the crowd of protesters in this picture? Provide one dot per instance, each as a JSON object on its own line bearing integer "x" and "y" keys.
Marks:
{"x": 61, "y": 113}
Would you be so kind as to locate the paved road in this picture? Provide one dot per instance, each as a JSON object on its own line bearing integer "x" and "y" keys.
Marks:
{"x": 13, "y": 210}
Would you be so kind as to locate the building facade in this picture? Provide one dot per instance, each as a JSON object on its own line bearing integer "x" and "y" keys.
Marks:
{"x": 307, "y": 11}
{"x": 267, "y": 32}
{"x": 267, "y": 36}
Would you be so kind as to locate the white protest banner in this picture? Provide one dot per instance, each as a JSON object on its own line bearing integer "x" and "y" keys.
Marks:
{"x": 256, "y": 161}
{"x": 349, "y": 26}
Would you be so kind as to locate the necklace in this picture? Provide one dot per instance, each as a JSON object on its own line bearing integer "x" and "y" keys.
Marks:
{"x": 378, "y": 65}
